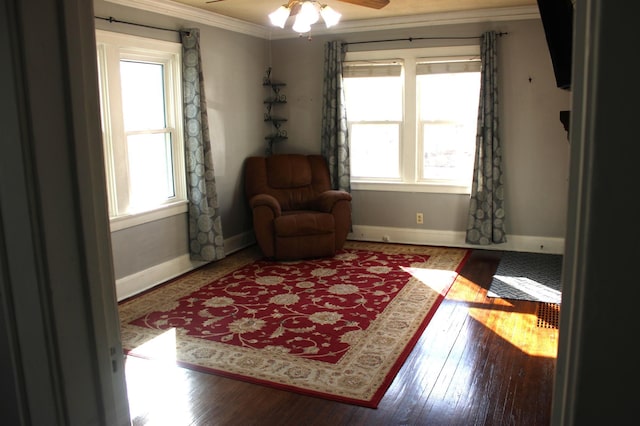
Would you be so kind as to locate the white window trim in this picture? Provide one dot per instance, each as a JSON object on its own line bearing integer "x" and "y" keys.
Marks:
{"x": 167, "y": 210}
{"x": 422, "y": 186}
{"x": 409, "y": 149}
{"x": 112, "y": 47}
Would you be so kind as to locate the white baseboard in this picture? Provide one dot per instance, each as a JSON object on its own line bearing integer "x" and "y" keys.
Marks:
{"x": 526, "y": 243}
{"x": 140, "y": 281}
{"x": 144, "y": 280}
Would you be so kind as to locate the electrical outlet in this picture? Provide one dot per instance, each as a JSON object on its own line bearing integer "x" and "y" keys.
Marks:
{"x": 419, "y": 218}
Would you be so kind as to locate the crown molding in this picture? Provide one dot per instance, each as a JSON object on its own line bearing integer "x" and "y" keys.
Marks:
{"x": 182, "y": 11}
{"x": 194, "y": 14}
{"x": 425, "y": 20}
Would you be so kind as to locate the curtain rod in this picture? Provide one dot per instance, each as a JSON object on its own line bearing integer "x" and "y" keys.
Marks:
{"x": 410, "y": 39}
{"x": 112, "y": 20}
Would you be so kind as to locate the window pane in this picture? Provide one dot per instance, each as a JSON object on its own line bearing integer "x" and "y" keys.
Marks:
{"x": 142, "y": 95}
{"x": 448, "y": 110}
{"x": 375, "y": 150}
{"x": 150, "y": 170}
{"x": 373, "y": 98}
{"x": 375, "y": 146}
{"x": 447, "y": 151}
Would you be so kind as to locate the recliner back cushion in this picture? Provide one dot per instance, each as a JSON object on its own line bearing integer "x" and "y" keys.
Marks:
{"x": 293, "y": 179}
{"x": 288, "y": 172}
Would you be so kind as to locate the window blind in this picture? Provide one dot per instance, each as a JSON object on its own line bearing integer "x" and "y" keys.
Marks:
{"x": 447, "y": 65}
{"x": 372, "y": 69}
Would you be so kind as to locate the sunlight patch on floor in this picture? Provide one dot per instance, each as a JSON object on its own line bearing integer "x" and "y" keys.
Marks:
{"x": 520, "y": 329}
{"x": 159, "y": 387}
{"x": 533, "y": 288}
{"x": 162, "y": 347}
{"x": 438, "y": 279}
{"x": 503, "y": 318}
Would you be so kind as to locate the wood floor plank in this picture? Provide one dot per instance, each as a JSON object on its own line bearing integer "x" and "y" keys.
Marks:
{"x": 481, "y": 361}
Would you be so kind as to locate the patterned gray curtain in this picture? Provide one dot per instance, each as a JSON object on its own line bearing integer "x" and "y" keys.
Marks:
{"x": 335, "y": 139}
{"x": 486, "y": 223}
{"x": 205, "y": 228}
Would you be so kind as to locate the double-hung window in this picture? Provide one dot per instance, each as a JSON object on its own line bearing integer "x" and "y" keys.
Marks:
{"x": 140, "y": 99}
{"x": 412, "y": 117}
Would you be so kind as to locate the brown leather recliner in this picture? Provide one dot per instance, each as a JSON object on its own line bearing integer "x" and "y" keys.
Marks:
{"x": 296, "y": 214}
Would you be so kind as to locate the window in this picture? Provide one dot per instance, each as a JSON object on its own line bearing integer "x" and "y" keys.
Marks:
{"x": 140, "y": 99}
{"x": 412, "y": 117}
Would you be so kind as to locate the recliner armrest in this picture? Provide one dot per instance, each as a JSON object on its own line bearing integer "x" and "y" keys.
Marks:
{"x": 328, "y": 199}
{"x": 267, "y": 201}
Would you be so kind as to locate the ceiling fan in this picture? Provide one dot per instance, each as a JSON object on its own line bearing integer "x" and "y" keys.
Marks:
{"x": 374, "y": 4}
{"x": 308, "y": 12}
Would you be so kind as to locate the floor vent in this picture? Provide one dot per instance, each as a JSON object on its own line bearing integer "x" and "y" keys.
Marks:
{"x": 548, "y": 315}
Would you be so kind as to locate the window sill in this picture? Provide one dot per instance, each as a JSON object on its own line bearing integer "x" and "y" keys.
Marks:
{"x": 127, "y": 221}
{"x": 435, "y": 188}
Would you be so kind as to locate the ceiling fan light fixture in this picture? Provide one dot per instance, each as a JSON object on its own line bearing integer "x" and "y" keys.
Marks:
{"x": 307, "y": 13}
{"x": 301, "y": 26}
{"x": 279, "y": 16}
{"x": 329, "y": 16}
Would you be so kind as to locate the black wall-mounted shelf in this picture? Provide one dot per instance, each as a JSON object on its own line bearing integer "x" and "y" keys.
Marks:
{"x": 275, "y": 98}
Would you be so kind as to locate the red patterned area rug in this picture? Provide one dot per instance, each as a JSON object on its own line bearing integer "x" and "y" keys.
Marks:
{"x": 337, "y": 328}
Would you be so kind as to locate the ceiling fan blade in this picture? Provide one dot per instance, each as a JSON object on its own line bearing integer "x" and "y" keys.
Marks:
{"x": 374, "y": 4}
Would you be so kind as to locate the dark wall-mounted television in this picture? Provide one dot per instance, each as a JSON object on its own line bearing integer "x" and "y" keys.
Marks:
{"x": 557, "y": 20}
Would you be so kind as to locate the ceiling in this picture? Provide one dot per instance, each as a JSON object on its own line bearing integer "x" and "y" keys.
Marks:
{"x": 256, "y": 11}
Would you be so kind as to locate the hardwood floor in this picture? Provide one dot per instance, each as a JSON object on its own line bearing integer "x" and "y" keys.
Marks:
{"x": 481, "y": 361}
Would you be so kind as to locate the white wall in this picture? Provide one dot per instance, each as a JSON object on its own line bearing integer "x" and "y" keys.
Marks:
{"x": 535, "y": 144}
